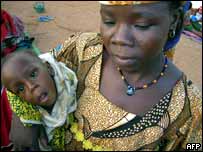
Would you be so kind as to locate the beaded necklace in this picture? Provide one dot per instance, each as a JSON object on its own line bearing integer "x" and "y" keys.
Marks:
{"x": 132, "y": 89}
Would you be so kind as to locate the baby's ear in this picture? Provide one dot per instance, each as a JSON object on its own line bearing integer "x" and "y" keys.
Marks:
{"x": 49, "y": 68}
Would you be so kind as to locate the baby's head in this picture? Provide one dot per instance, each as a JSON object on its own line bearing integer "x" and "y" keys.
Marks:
{"x": 24, "y": 74}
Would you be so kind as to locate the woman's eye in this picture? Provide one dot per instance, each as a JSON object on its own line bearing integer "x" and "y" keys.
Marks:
{"x": 33, "y": 74}
{"x": 20, "y": 89}
{"x": 110, "y": 23}
{"x": 142, "y": 26}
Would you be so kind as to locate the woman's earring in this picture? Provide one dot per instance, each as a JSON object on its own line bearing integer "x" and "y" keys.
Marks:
{"x": 172, "y": 33}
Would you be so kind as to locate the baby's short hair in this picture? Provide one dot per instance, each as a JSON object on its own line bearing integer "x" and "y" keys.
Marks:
{"x": 19, "y": 54}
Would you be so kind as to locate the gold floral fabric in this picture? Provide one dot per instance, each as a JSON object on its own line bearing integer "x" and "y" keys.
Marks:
{"x": 178, "y": 113}
{"x": 179, "y": 125}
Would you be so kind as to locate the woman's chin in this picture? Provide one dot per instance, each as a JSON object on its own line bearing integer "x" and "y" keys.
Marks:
{"x": 129, "y": 65}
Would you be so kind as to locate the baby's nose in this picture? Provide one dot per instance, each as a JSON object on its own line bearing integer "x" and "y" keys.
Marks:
{"x": 31, "y": 86}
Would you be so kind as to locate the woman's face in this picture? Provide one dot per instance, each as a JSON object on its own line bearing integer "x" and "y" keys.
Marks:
{"x": 134, "y": 34}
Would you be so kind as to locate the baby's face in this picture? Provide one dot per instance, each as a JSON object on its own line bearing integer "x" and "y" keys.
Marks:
{"x": 29, "y": 79}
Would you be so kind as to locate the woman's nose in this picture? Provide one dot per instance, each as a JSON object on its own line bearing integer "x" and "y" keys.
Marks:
{"x": 122, "y": 36}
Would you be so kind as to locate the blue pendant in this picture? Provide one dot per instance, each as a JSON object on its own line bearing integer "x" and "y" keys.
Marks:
{"x": 130, "y": 91}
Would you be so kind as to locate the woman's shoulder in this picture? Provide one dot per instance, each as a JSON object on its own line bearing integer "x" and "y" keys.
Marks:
{"x": 195, "y": 98}
{"x": 192, "y": 126}
{"x": 179, "y": 80}
{"x": 77, "y": 48}
{"x": 191, "y": 90}
{"x": 88, "y": 46}
{"x": 192, "y": 97}
{"x": 84, "y": 46}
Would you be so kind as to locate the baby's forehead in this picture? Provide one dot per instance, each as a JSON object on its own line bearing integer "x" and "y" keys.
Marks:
{"x": 22, "y": 59}
{"x": 26, "y": 54}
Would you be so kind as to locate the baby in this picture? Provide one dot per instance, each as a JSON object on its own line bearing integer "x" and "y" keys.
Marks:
{"x": 49, "y": 86}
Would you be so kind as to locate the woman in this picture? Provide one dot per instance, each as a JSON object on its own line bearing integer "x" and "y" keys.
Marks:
{"x": 130, "y": 96}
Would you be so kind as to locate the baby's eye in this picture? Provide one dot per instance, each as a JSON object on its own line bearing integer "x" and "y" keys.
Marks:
{"x": 20, "y": 89}
{"x": 33, "y": 74}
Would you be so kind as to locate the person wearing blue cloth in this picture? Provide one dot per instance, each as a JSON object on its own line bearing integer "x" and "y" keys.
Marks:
{"x": 169, "y": 48}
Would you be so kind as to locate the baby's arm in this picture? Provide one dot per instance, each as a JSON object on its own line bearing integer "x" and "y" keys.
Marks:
{"x": 23, "y": 138}
{"x": 31, "y": 138}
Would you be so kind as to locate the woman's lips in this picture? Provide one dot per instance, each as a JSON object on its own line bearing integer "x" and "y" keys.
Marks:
{"x": 125, "y": 60}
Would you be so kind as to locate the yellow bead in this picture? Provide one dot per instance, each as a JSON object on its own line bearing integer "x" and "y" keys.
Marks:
{"x": 74, "y": 128}
{"x": 145, "y": 86}
{"x": 79, "y": 136}
{"x": 122, "y": 77}
{"x": 162, "y": 73}
{"x": 87, "y": 144}
{"x": 97, "y": 148}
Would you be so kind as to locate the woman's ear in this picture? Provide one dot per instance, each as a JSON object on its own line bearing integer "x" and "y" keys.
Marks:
{"x": 175, "y": 18}
{"x": 50, "y": 69}
{"x": 176, "y": 22}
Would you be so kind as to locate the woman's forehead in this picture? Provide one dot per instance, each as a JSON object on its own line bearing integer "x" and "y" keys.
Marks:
{"x": 125, "y": 2}
{"x": 154, "y": 8}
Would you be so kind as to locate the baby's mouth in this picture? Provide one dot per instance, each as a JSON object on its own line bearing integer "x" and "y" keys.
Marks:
{"x": 43, "y": 97}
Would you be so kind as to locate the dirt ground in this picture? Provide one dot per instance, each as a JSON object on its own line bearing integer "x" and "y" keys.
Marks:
{"x": 83, "y": 16}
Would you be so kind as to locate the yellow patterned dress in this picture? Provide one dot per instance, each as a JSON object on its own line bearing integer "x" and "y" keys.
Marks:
{"x": 172, "y": 123}
{"x": 100, "y": 125}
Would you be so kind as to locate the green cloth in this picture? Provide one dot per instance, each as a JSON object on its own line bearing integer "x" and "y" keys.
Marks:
{"x": 35, "y": 49}
{"x": 197, "y": 26}
{"x": 194, "y": 25}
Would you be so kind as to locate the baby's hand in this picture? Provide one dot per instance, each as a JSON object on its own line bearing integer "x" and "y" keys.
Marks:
{"x": 43, "y": 140}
